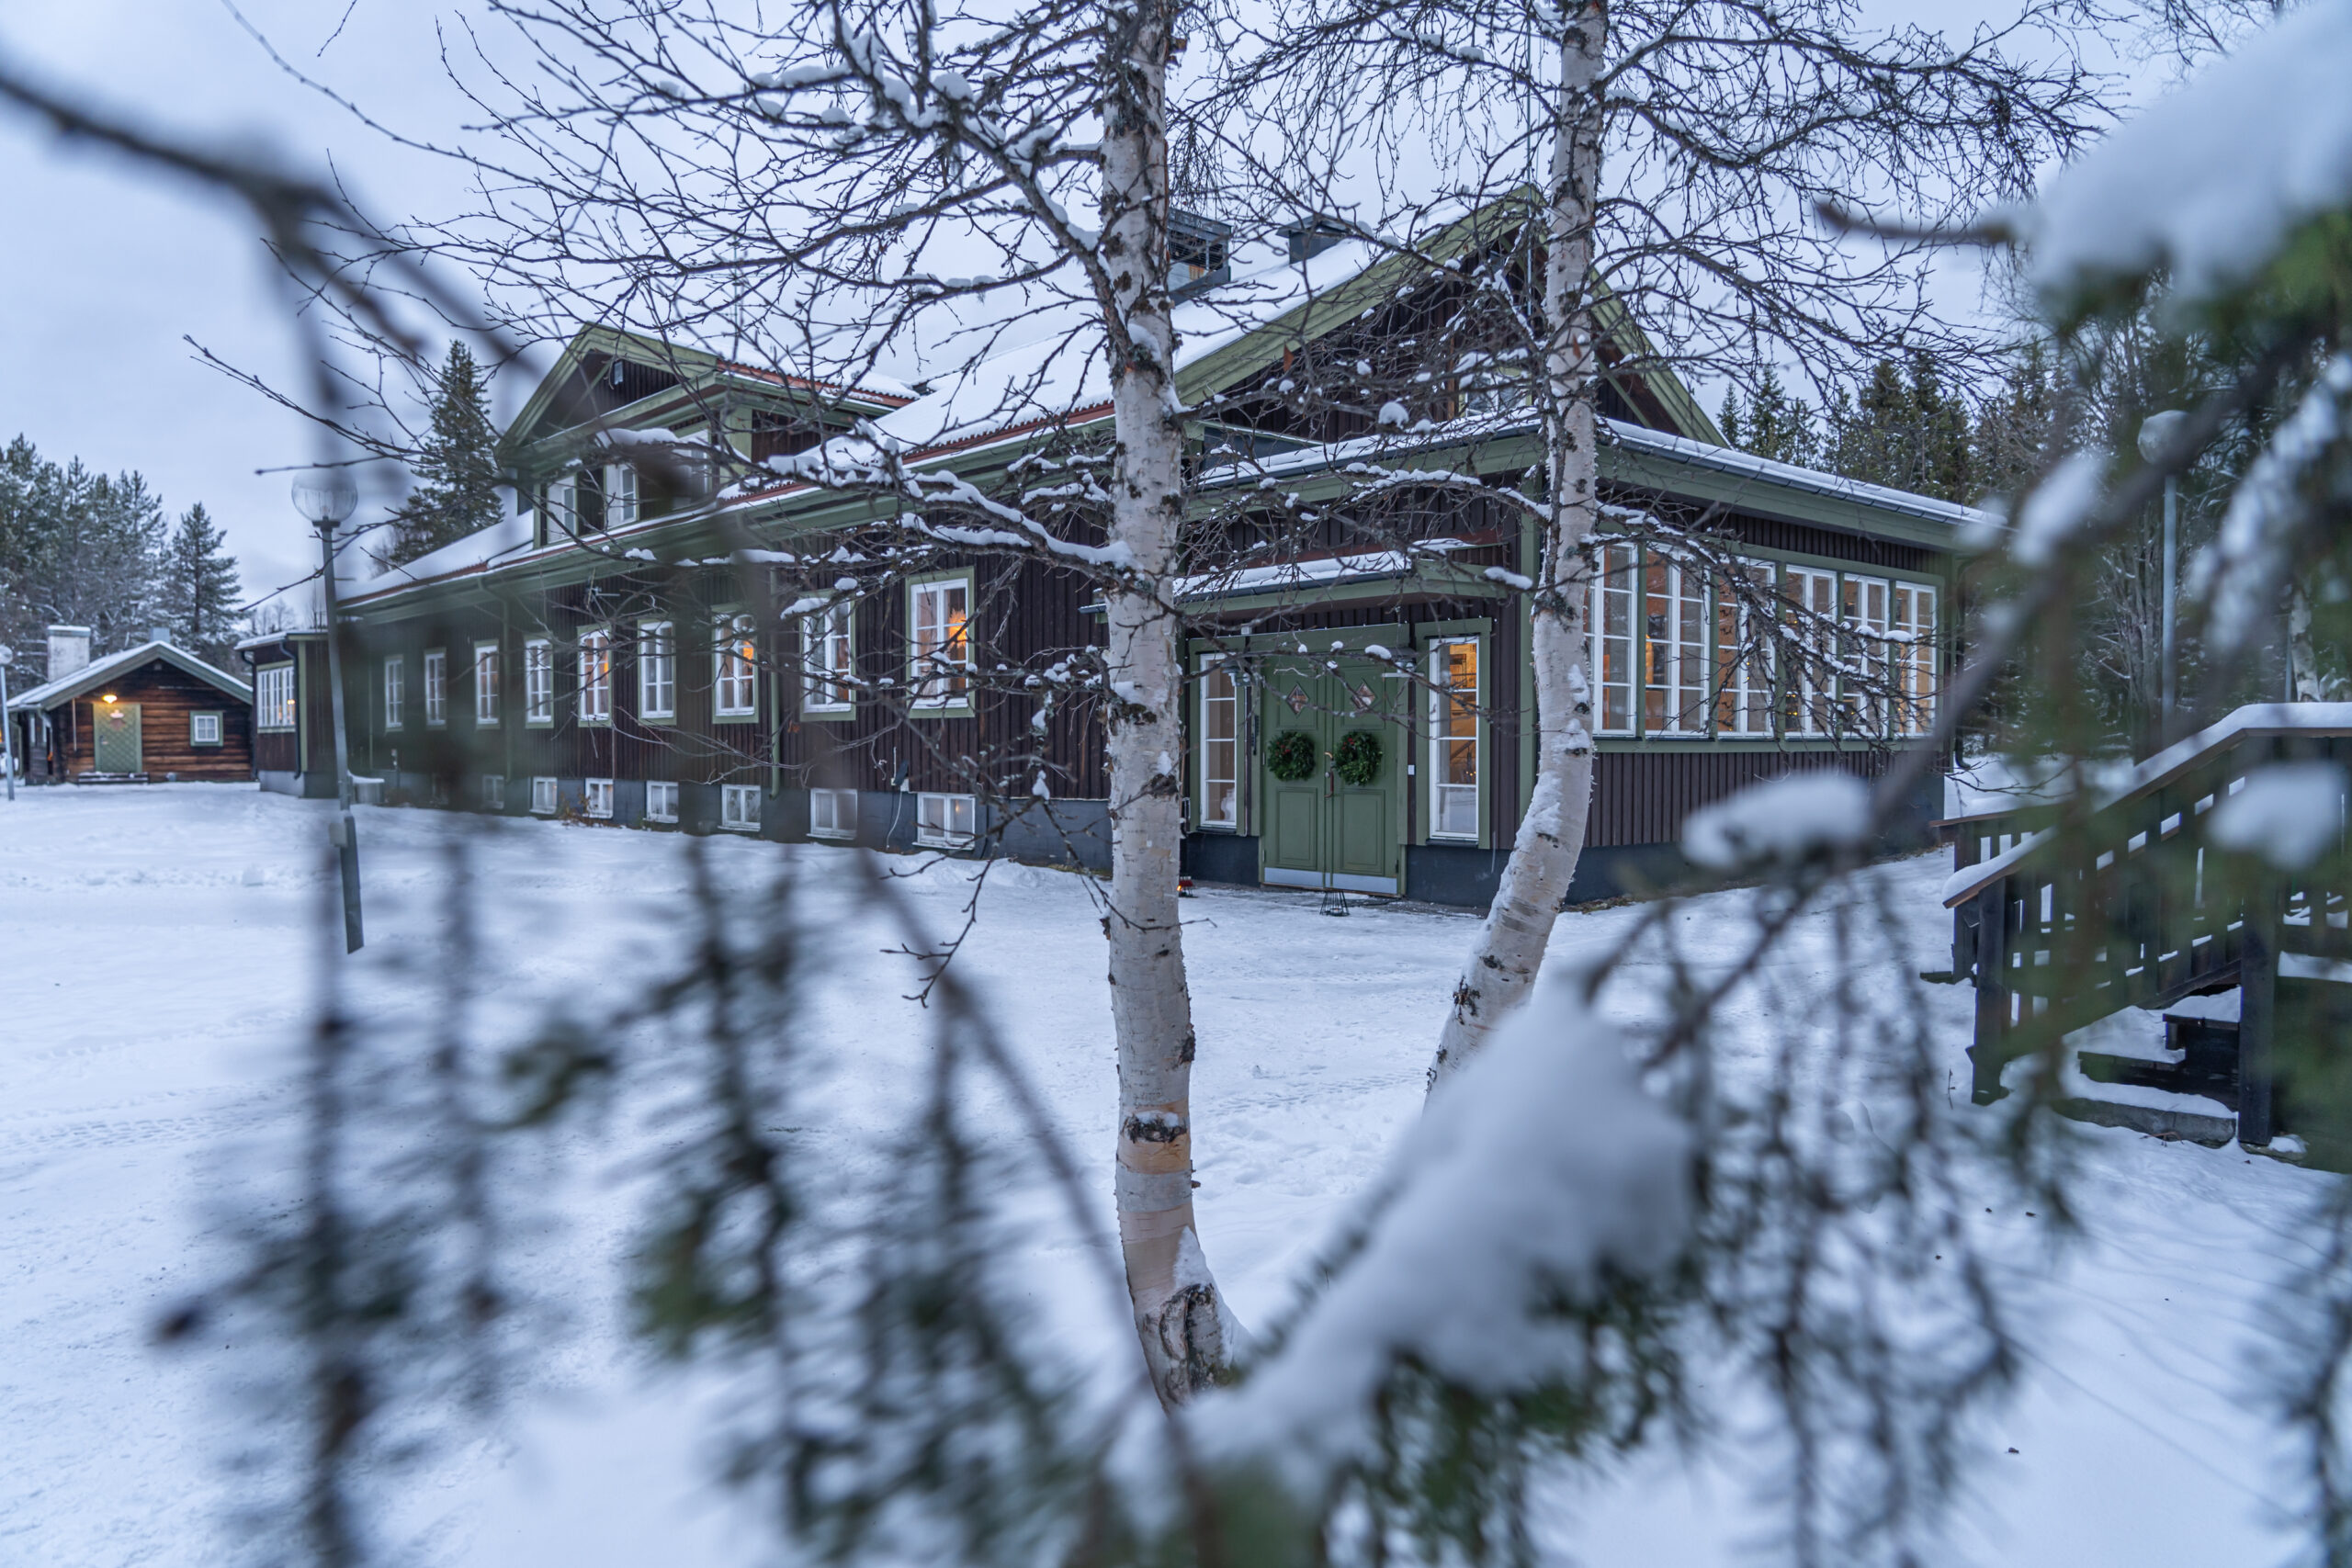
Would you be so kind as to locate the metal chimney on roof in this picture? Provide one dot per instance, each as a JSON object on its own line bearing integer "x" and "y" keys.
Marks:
{"x": 159, "y": 634}
{"x": 1312, "y": 236}
{"x": 69, "y": 649}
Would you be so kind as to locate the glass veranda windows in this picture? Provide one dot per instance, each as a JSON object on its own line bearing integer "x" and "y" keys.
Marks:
{"x": 1912, "y": 644}
{"x": 1453, "y": 740}
{"x": 1746, "y": 621}
{"x": 1612, "y": 638}
{"x": 1674, "y": 623}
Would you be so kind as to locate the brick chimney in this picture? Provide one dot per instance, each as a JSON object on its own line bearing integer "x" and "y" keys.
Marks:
{"x": 69, "y": 649}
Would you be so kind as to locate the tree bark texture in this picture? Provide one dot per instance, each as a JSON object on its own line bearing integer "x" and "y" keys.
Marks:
{"x": 1503, "y": 960}
{"x": 1177, "y": 1310}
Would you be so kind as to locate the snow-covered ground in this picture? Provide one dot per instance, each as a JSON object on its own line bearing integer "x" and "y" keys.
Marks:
{"x": 157, "y": 955}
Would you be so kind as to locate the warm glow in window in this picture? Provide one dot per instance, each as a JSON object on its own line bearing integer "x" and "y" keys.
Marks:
{"x": 1220, "y": 750}
{"x": 941, "y": 652}
{"x": 1453, "y": 740}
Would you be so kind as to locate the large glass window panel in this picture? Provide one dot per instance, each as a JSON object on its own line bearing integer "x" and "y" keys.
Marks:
{"x": 1220, "y": 750}
{"x": 1674, "y": 649}
{"x": 1453, "y": 740}
{"x": 1613, "y": 611}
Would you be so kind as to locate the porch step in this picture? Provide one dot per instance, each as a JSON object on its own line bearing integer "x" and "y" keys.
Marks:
{"x": 111, "y": 779}
{"x": 2213, "y": 1132}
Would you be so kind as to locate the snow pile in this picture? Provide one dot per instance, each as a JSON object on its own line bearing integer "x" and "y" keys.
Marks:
{"x": 1783, "y": 819}
{"x": 2210, "y": 182}
{"x": 1539, "y": 1166}
{"x": 2289, "y": 813}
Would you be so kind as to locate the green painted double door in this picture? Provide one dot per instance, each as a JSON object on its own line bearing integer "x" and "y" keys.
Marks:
{"x": 1320, "y": 831}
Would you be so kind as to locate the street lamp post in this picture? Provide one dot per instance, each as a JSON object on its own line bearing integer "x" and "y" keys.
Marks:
{"x": 326, "y": 497}
{"x": 2156, "y": 434}
{"x": 7, "y": 725}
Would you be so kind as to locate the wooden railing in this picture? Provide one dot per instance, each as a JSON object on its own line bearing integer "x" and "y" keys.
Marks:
{"x": 2080, "y": 913}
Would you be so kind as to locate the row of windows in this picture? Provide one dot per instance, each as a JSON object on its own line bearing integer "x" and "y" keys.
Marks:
{"x": 940, "y": 667}
{"x": 941, "y": 821}
{"x": 1681, "y": 651}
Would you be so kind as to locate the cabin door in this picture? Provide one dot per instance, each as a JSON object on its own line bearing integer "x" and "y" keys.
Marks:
{"x": 115, "y": 738}
{"x": 1323, "y": 830}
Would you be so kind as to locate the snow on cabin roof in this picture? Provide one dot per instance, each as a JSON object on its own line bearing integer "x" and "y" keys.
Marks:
{"x": 99, "y": 672}
{"x": 507, "y": 538}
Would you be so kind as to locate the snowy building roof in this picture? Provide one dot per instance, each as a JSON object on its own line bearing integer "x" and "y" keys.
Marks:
{"x": 99, "y": 671}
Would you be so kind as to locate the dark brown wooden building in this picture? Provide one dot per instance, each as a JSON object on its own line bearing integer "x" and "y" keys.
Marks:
{"x": 293, "y": 725}
{"x": 154, "y": 713}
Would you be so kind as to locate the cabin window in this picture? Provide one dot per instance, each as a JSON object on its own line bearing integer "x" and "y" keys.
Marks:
{"x": 739, "y": 807}
{"x": 620, "y": 495}
{"x": 1612, "y": 638}
{"x": 543, "y": 796}
{"x": 657, "y": 670}
{"x": 940, "y": 651}
{"x": 596, "y": 677}
{"x": 660, "y": 801}
{"x": 494, "y": 792}
{"x": 1913, "y": 646}
{"x": 1813, "y": 598}
{"x": 1453, "y": 739}
{"x": 1220, "y": 762}
{"x": 563, "y": 505}
{"x": 828, "y": 647}
{"x": 1864, "y": 647}
{"x": 485, "y": 683}
{"x": 596, "y": 799}
{"x": 274, "y": 697}
{"x": 944, "y": 822}
{"x": 1674, "y": 649}
{"x": 832, "y": 813}
{"x": 204, "y": 729}
{"x": 437, "y": 687}
{"x": 1743, "y": 646}
{"x": 538, "y": 682}
{"x": 735, "y": 658}
{"x": 395, "y": 692}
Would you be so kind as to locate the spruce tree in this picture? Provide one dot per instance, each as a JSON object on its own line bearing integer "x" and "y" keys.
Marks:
{"x": 197, "y": 589}
{"x": 456, "y": 467}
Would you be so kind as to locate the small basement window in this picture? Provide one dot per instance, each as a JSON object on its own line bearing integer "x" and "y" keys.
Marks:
{"x": 944, "y": 822}
{"x": 543, "y": 796}
{"x": 204, "y": 729}
{"x": 598, "y": 799}
{"x": 494, "y": 792}
{"x": 832, "y": 813}
{"x": 739, "y": 807}
{"x": 660, "y": 801}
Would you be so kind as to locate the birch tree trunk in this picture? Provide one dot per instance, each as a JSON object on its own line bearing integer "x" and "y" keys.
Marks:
{"x": 1177, "y": 1310}
{"x": 1510, "y": 948}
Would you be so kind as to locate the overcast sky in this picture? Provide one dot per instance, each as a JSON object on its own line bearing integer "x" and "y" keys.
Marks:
{"x": 107, "y": 270}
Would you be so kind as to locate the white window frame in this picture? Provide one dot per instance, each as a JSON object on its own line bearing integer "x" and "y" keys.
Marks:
{"x": 660, "y": 801}
{"x": 1864, "y": 606}
{"x": 539, "y": 680}
{"x": 273, "y": 709}
{"x": 493, "y": 791}
{"x": 1675, "y": 650}
{"x": 828, "y": 656}
{"x": 738, "y": 808}
{"x": 596, "y": 799}
{"x": 832, "y": 813}
{"x": 1615, "y": 628}
{"x": 597, "y": 675}
{"x": 938, "y": 679}
{"x": 1440, "y": 652}
{"x": 936, "y": 824}
{"x": 657, "y": 670}
{"x": 486, "y": 682}
{"x": 543, "y": 796}
{"x": 1815, "y": 590}
{"x": 620, "y": 495}
{"x": 1220, "y": 687}
{"x": 1743, "y": 675}
{"x": 563, "y": 504}
{"x": 202, "y": 720}
{"x": 1914, "y": 658}
{"x": 735, "y": 672}
{"x": 436, "y": 688}
{"x": 395, "y": 692}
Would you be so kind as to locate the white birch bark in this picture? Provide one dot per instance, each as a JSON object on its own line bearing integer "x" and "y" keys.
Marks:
{"x": 1510, "y": 948}
{"x": 1177, "y": 1310}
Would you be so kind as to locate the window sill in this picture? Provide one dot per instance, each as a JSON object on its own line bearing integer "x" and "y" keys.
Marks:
{"x": 735, "y": 718}
{"x": 1217, "y": 828}
{"x": 538, "y": 723}
{"x": 942, "y": 843}
{"x": 830, "y": 713}
{"x": 834, "y": 835}
{"x": 660, "y": 720}
{"x": 1457, "y": 841}
{"x": 957, "y": 709}
{"x": 738, "y": 826}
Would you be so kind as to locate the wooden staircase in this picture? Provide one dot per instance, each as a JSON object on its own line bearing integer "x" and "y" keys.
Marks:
{"x": 2133, "y": 906}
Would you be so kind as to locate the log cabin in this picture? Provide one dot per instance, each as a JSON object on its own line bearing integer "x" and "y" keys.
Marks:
{"x": 149, "y": 714}
{"x": 757, "y": 658}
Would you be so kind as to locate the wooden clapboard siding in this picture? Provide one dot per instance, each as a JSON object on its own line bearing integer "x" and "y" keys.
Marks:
{"x": 1644, "y": 796}
{"x": 166, "y": 695}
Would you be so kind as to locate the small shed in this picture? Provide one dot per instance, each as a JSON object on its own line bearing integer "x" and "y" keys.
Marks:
{"x": 150, "y": 713}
